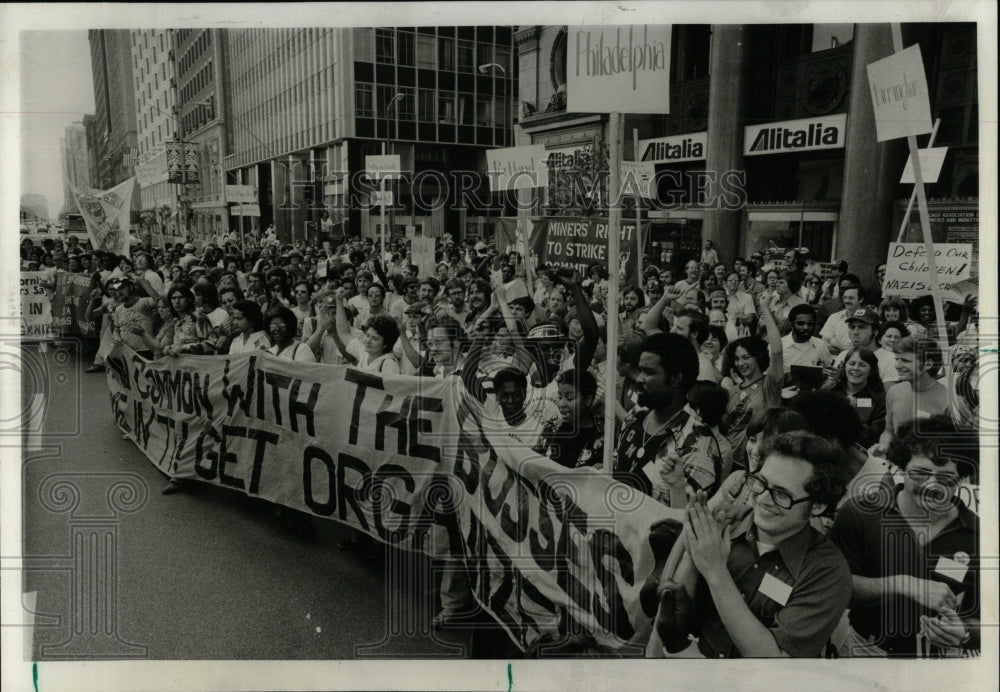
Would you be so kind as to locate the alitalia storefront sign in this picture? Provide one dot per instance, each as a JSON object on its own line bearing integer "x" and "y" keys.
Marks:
{"x": 808, "y": 134}
{"x": 689, "y": 147}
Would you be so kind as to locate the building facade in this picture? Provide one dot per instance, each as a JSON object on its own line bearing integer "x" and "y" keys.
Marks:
{"x": 768, "y": 137}
{"x": 114, "y": 105}
{"x": 76, "y": 164}
{"x": 308, "y": 105}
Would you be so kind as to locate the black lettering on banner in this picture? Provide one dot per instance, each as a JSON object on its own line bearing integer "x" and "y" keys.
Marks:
{"x": 263, "y": 438}
{"x": 305, "y": 409}
{"x": 235, "y": 395}
{"x": 516, "y": 529}
{"x": 119, "y": 405}
{"x": 420, "y": 426}
{"x": 179, "y": 446}
{"x": 467, "y": 467}
{"x": 168, "y": 427}
{"x": 201, "y": 453}
{"x": 397, "y": 507}
{"x": 494, "y": 503}
{"x": 141, "y": 425}
{"x": 140, "y": 366}
{"x": 364, "y": 380}
{"x": 227, "y": 457}
{"x": 347, "y": 495}
{"x": 613, "y": 618}
{"x": 277, "y": 382}
{"x": 311, "y": 454}
{"x": 119, "y": 369}
{"x": 385, "y": 417}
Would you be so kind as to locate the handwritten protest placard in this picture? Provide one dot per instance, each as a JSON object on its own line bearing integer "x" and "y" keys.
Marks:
{"x": 579, "y": 243}
{"x": 899, "y": 95}
{"x": 383, "y": 167}
{"x": 618, "y": 68}
{"x": 517, "y": 168}
{"x": 908, "y": 276}
{"x": 36, "y": 307}
{"x": 931, "y": 161}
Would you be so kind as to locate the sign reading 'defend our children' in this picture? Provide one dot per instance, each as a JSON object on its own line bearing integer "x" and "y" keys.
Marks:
{"x": 618, "y": 69}
{"x": 899, "y": 95}
{"x": 908, "y": 276}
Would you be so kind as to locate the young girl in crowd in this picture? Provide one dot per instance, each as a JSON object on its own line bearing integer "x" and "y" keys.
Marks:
{"x": 249, "y": 321}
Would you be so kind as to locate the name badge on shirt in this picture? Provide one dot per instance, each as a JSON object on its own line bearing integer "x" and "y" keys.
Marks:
{"x": 863, "y": 403}
{"x": 775, "y": 589}
{"x": 947, "y": 567}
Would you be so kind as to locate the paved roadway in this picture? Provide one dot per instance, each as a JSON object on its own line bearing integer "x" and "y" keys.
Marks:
{"x": 206, "y": 574}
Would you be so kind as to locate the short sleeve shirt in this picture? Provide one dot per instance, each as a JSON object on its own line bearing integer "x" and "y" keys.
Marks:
{"x": 878, "y": 542}
{"x": 139, "y": 314}
{"x": 799, "y": 591}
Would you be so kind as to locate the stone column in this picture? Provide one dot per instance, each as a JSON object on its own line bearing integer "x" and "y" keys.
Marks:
{"x": 871, "y": 169}
{"x": 725, "y": 132}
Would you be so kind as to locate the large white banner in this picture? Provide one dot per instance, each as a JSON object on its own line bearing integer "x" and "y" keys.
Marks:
{"x": 107, "y": 216}
{"x": 624, "y": 69}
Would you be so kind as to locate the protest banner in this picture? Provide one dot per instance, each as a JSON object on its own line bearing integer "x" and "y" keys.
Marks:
{"x": 241, "y": 194}
{"x": 107, "y": 216}
{"x": 517, "y": 168}
{"x": 546, "y": 548}
{"x": 899, "y": 95}
{"x": 579, "y": 243}
{"x": 908, "y": 273}
{"x": 931, "y": 161}
{"x": 36, "y": 307}
{"x": 618, "y": 68}
{"x": 69, "y": 304}
{"x": 422, "y": 250}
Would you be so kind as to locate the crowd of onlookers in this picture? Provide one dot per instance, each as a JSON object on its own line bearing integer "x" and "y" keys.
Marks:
{"x": 814, "y": 432}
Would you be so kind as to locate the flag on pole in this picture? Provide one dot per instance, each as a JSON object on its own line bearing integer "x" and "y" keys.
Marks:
{"x": 107, "y": 216}
{"x": 131, "y": 157}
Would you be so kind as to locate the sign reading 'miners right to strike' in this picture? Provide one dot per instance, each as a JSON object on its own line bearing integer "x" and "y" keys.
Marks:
{"x": 908, "y": 276}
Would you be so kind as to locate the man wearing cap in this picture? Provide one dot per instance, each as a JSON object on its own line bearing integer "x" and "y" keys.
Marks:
{"x": 188, "y": 257}
{"x": 861, "y": 332}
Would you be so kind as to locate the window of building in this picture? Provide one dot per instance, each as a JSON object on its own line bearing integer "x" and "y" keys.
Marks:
{"x": 425, "y": 106}
{"x": 446, "y": 53}
{"x": 404, "y": 45}
{"x": 465, "y": 105}
{"x": 484, "y": 53}
{"x": 503, "y": 57}
{"x": 407, "y": 105}
{"x": 363, "y": 106}
{"x": 385, "y": 51}
{"x": 466, "y": 56}
{"x": 484, "y": 111}
{"x": 446, "y": 107}
{"x": 364, "y": 49}
{"x": 426, "y": 57}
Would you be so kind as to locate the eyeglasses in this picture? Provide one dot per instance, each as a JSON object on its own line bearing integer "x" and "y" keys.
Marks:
{"x": 923, "y": 476}
{"x": 758, "y": 485}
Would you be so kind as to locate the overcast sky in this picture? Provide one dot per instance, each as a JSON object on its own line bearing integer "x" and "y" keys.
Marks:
{"x": 56, "y": 90}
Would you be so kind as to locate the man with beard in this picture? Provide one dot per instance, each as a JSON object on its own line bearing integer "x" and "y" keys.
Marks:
{"x": 914, "y": 551}
{"x": 478, "y": 298}
{"x": 632, "y": 300}
{"x": 836, "y": 331}
{"x": 668, "y": 368}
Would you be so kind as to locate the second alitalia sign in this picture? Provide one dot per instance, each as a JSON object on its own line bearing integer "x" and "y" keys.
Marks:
{"x": 809, "y": 134}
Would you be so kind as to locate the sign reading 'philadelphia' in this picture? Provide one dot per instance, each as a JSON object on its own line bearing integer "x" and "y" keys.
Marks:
{"x": 618, "y": 69}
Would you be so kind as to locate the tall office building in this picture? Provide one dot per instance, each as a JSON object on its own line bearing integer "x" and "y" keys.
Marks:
{"x": 787, "y": 109}
{"x": 114, "y": 99}
{"x": 76, "y": 163}
{"x": 308, "y": 105}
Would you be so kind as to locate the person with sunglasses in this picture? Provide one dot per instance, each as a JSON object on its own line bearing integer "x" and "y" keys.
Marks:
{"x": 772, "y": 586}
{"x": 913, "y": 549}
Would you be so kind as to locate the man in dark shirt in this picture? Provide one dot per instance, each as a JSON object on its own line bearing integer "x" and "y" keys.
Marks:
{"x": 913, "y": 550}
{"x": 774, "y": 586}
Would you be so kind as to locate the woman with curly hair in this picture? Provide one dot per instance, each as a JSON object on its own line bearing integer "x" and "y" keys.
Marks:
{"x": 193, "y": 333}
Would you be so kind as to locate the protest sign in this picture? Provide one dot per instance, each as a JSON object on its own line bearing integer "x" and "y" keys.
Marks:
{"x": 422, "y": 250}
{"x": 241, "y": 194}
{"x": 546, "y": 548}
{"x": 36, "y": 307}
{"x": 622, "y": 68}
{"x": 907, "y": 273}
{"x": 899, "y": 95}
{"x": 637, "y": 178}
{"x": 69, "y": 304}
{"x": 383, "y": 167}
{"x": 931, "y": 161}
{"x": 580, "y": 243}
{"x": 107, "y": 216}
{"x": 517, "y": 168}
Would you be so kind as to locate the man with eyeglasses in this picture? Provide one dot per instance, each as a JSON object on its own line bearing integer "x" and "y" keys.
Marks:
{"x": 772, "y": 585}
{"x": 913, "y": 549}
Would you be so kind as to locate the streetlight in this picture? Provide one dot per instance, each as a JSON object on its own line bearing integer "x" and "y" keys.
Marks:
{"x": 483, "y": 69}
{"x": 385, "y": 150}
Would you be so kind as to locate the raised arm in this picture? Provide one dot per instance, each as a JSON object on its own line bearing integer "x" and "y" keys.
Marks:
{"x": 776, "y": 370}
{"x": 584, "y": 353}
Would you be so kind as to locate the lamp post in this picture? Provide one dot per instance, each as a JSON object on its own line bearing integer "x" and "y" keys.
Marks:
{"x": 180, "y": 137}
{"x": 385, "y": 151}
{"x": 483, "y": 69}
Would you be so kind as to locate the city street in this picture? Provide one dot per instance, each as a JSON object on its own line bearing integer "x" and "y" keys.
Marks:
{"x": 205, "y": 574}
